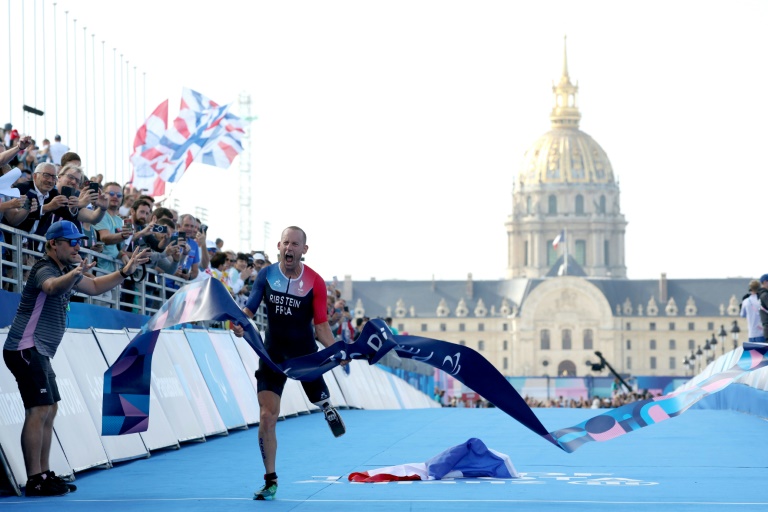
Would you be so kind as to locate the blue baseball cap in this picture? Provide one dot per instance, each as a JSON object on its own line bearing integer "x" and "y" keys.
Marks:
{"x": 63, "y": 229}
{"x": 764, "y": 278}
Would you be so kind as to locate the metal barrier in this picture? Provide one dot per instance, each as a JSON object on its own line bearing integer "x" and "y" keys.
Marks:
{"x": 145, "y": 296}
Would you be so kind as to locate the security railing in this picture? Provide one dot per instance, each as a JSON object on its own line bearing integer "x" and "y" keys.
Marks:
{"x": 144, "y": 295}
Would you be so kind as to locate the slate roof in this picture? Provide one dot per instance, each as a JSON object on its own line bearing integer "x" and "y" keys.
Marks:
{"x": 425, "y": 296}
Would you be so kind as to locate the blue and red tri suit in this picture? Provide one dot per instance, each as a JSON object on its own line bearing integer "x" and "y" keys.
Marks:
{"x": 294, "y": 306}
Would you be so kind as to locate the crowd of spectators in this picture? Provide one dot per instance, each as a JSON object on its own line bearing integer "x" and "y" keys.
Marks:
{"x": 117, "y": 219}
{"x": 612, "y": 402}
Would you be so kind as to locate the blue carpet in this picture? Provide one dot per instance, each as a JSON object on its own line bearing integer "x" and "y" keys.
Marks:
{"x": 702, "y": 460}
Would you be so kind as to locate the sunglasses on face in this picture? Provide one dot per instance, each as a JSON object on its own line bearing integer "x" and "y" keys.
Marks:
{"x": 72, "y": 243}
{"x": 115, "y": 194}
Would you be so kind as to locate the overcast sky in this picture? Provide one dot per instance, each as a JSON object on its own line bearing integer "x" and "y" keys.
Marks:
{"x": 392, "y": 131}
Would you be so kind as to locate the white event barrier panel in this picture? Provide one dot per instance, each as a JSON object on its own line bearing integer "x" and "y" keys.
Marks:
{"x": 380, "y": 378}
{"x": 88, "y": 366}
{"x": 215, "y": 377}
{"x": 292, "y": 402}
{"x": 359, "y": 383}
{"x": 160, "y": 434}
{"x": 74, "y": 426}
{"x": 372, "y": 391}
{"x": 11, "y": 423}
{"x": 353, "y": 395}
{"x": 245, "y": 394}
{"x": 192, "y": 382}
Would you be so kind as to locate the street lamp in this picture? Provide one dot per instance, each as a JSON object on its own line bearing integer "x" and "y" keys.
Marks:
{"x": 699, "y": 353}
{"x": 713, "y": 344}
{"x": 685, "y": 364}
{"x": 707, "y": 348}
{"x": 722, "y": 334}
{"x": 735, "y": 333}
{"x": 692, "y": 361}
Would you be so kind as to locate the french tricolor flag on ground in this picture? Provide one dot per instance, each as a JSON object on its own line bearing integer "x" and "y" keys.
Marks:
{"x": 559, "y": 239}
{"x": 472, "y": 459}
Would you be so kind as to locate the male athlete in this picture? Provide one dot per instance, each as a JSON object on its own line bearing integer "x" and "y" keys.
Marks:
{"x": 296, "y": 298}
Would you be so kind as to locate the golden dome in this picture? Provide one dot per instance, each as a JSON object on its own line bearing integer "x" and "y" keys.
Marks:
{"x": 565, "y": 154}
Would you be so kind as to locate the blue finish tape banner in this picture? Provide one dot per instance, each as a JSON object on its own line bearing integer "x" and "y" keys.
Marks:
{"x": 127, "y": 381}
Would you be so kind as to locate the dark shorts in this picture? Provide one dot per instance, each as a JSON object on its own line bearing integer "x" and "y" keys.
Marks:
{"x": 269, "y": 380}
{"x": 34, "y": 375}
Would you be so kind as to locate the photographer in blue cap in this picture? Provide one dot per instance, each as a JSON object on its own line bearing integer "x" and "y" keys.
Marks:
{"x": 36, "y": 333}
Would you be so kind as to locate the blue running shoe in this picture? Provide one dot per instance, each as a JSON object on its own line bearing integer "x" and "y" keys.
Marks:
{"x": 267, "y": 492}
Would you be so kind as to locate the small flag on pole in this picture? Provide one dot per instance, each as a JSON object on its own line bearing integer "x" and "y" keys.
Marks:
{"x": 559, "y": 239}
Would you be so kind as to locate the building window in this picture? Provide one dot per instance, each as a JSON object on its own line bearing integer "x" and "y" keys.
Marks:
{"x": 629, "y": 344}
{"x": 579, "y": 204}
{"x": 629, "y": 363}
{"x": 401, "y": 328}
{"x": 672, "y": 345}
{"x": 581, "y": 252}
{"x": 710, "y": 326}
{"x": 505, "y": 345}
{"x": 552, "y": 205}
{"x": 481, "y": 327}
{"x": 528, "y": 204}
{"x": 629, "y": 326}
{"x": 606, "y": 253}
{"x": 588, "y": 339}
{"x": 423, "y": 327}
{"x": 652, "y": 326}
{"x": 671, "y": 326}
{"x": 481, "y": 345}
{"x": 652, "y": 363}
{"x": 691, "y": 326}
{"x": 672, "y": 363}
{"x": 544, "y": 342}
{"x": 504, "y": 327}
{"x": 653, "y": 345}
{"x": 442, "y": 327}
{"x": 505, "y": 363}
{"x": 525, "y": 253}
{"x": 566, "y": 339}
{"x": 551, "y": 253}
{"x": 461, "y": 328}
{"x": 691, "y": 344}
{"x": 602, "y": 205}
{"x": 462, "y": 343}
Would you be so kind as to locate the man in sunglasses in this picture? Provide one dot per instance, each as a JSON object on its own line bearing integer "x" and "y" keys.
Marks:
{"x": 111, "y": 230}
{"x": 35, "y": 335}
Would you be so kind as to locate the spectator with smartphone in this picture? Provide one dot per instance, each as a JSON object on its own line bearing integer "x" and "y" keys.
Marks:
{"x": 189, "y": 267}
{"x": 111, "y": 230}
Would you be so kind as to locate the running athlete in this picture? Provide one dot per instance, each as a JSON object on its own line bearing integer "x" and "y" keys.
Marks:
{"x": 295, "y": 296}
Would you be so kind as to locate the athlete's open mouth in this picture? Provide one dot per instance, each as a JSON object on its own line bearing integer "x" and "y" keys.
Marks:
{"x": 288, "y": 257}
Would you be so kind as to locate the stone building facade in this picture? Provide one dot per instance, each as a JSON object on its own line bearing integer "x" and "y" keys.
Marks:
{"x": 557, "y": 307}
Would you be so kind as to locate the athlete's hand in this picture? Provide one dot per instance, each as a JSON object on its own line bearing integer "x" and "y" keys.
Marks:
{"x": 238, "y": 329}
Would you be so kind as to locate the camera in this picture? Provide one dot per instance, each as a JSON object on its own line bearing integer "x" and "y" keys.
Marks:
{"x": 204, "y": 228}
{"x": 250, "y": 261}
{"x": 182, "y": 236}
{"x": 159, "y": 228}
{"x": 27, "y": 204}
{"x": 128, "y": 226}
{"x": 92, "y": 185}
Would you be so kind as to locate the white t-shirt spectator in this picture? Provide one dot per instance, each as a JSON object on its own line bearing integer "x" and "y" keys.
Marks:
{"x": 57, "y": 150}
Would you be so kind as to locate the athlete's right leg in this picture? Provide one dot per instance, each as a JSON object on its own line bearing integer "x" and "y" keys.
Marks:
{"x": 269, "y": 403}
